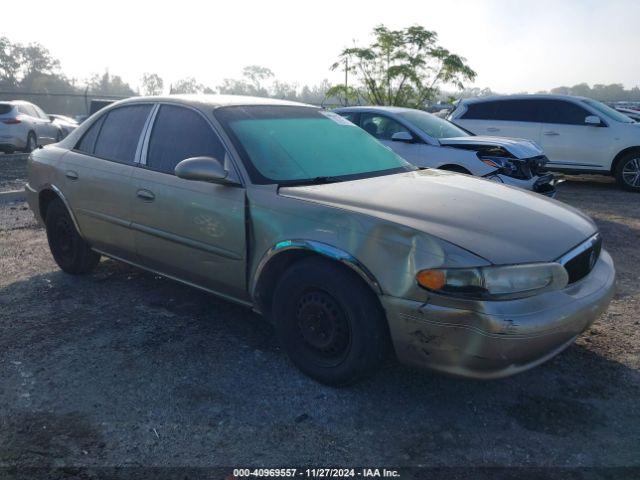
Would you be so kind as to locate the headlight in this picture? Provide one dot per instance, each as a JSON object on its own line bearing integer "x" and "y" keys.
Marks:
{"x": 495, "y": 282}
{"x": 504, "y": 164}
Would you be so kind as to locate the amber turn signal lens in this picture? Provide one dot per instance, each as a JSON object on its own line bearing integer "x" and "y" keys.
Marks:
{"x": 432, "y": 279}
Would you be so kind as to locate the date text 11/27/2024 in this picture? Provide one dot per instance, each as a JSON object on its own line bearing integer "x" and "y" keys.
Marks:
{"x": 314, "y": 473}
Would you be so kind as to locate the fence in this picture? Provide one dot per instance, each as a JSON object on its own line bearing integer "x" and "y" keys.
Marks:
{"x": 61, "y": 103}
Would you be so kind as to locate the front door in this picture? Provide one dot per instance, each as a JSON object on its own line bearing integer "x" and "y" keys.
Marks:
{"x": 191, "y": 230}
{"x": 569, "y": 142}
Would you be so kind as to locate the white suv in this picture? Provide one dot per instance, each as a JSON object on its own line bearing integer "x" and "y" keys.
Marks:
{"x": 577, "y": 134}
{"x": 24, "y": 126}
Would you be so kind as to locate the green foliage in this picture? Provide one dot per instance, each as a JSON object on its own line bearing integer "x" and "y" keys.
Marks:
{"x": 107, "y": 84}
{"x": 190, "y": 85}
{"x": 152, "y": 84}
{"x": 614, "y": 92}
{"x": 401, "y": 67}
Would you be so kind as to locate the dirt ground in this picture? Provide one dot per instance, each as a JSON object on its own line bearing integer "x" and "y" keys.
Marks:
{"x": 124, "y": 368}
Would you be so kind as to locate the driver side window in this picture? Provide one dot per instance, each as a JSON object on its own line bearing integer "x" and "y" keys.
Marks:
{"x": 381, "y": 126}
{"x": 179, "y": 133}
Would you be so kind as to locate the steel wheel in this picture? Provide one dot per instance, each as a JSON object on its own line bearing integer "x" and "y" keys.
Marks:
{"x": 323, "y": 327}
{"x": 62, "y": 239}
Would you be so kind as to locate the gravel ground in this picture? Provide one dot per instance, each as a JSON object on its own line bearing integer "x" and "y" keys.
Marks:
{"x": 124, "y": 368}
{"x": 13, "y": 171}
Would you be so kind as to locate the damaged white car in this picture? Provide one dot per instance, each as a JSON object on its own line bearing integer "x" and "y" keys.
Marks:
{"x": 428, "y": 141}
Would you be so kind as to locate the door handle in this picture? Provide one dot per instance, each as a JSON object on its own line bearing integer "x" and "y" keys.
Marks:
{"x": 145, "y": 195}
{"x": 71, "y": 175}
{"x": 551, "y": 133}
{"x": 493, "y": 129}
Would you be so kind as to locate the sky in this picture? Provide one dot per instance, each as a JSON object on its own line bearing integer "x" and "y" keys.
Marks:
{"x": 513, "y": 45}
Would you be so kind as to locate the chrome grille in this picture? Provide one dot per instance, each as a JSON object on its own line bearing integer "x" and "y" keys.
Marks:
{"x": 579, "y": 261}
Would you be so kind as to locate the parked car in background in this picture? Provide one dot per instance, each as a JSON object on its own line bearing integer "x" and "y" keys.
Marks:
{"x": 350, "y": 250}
{"x": 428, "y": 141}
{"x": 630, "y": 112}
{"x": 578, "y": 135}
{"x": 24, "y": 126}
{"x": 66, "y": 124}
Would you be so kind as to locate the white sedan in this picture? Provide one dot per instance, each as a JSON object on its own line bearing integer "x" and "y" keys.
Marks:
{"x": 428, "y": 141}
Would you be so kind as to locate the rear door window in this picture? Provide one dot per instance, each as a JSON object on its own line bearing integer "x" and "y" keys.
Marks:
{"x": 27, "y": 110}
{"x": 353, "y": 117}
{"x": 180, "y": 133}
{"x": 561, "y": 112}
{"x": 120, "y": 133}
{"x": 517, "y": 111}
{"x": 88, "y": 141}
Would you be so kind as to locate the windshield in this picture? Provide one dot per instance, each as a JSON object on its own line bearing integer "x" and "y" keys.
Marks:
{"x": 433, "y": 126}
{"x": 289, "y": 144}
{"x": 608, "y": 111}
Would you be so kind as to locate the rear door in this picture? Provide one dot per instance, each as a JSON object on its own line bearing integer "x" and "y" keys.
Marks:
{"x": 96, "y": 178}
{"x": 569, "y": 142}
{"x": 517, "y": 118}
{"x": 191, "y": 230}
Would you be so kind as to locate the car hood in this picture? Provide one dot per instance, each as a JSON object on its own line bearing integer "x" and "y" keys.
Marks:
{"x": 502, "y": 224}
{"x": 518, "y": 147}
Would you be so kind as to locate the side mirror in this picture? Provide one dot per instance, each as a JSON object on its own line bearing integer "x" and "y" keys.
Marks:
{"x": 203, "y": 169}
{"x": 593, "y": 120}
{"x": 51, "y": 118}
{"x": 402, "y": 137}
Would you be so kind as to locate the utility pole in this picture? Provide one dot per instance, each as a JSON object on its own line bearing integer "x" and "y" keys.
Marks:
{"x": 346, "y": 81}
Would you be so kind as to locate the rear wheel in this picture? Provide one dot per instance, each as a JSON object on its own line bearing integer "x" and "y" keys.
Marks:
{"x": 69, "y": 250}
{"x": 329, "y": 322}
{"x": 627, "y": 172}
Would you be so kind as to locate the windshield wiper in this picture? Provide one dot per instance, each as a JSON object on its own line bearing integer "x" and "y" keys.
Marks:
{"x": 310, "y": 181}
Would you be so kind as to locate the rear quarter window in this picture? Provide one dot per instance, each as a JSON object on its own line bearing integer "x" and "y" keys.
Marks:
{"x": 5, "y": 108}
{"x": 480, "y": 111}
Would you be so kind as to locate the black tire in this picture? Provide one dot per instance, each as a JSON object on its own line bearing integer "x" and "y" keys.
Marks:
{"x": 627, "y": 171}
{"x": 330, "y": 322}
{"x": 32, "y": 143}
{"x": 71, "y": 253}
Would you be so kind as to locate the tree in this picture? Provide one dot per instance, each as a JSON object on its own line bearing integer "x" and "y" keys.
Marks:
{"x": 401, "y": 67}
{"x": 190, "y": 85}
{"x": 107, "y": 84}
{"x": 152, "y": 84}
{"x": 252, "y": 82}
{"x": 9, "y": 63}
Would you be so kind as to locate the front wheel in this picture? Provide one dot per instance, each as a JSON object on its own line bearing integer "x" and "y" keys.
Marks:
{"x": 32, "y": 143}
{"x": 627, "y": 172}
{"x": 71, "y": 253}
{"x": 330, "y": 322}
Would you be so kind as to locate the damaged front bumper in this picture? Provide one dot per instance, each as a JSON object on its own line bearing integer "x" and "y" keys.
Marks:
{"x": 543, "y": 184}
{"x": 493, "y": 339}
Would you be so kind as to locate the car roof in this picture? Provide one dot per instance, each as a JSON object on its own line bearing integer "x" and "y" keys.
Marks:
{"x": 15, "y": 102}
{"x": 375, "y": 108}
{"x": 215, "y": 101}
{"x": 527, "y": 96}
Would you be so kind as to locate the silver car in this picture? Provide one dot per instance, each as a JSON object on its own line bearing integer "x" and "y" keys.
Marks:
{"x": 351, "y": 251}
{"x": 24, "y": 126}
{"x": 428, "y": 141}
